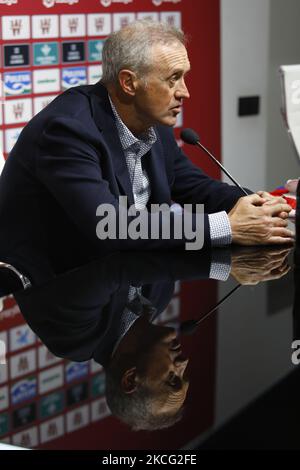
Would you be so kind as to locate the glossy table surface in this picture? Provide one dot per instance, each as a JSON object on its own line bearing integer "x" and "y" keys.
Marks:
{"x": 58, "y": 338}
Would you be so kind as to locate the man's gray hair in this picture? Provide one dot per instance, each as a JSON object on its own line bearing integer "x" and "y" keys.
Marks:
{"x": 136, "y": 409}
{"x": 131, "y": 47}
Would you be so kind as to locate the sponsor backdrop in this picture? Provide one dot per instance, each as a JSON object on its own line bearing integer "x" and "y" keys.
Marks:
{"x": 48, "y": 46}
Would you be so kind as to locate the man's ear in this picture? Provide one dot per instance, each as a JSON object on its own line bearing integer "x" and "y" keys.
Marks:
{"x": 129, "y": 381}
{"x": 128, "y": 81}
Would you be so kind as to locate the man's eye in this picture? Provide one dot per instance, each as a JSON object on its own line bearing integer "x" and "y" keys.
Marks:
{"x": 173, "y": 80}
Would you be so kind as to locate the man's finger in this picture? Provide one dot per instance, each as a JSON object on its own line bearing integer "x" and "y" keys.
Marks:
{"x": 276, "y": 208}
{"x": 255, "y": 199}
{"x": 278, "y": 222}
{"x": 283, "y": 215}
{"x": 275, "y": 200}
{"x": 282, "y": 232}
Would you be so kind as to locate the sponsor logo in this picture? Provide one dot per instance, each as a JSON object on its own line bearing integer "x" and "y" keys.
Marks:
{"x": 24, "y": 416}
{"x": 52, "y": 429}
{"x": 46, "y": 358}
{"x": 99, "y": 24}
{"x": 44, "y": 26}
{"x": 3, "y": 398}
{"x": 76, "y": 370}
{"x": 74, "y": 76}
{"x": 16, "y": 55}
{"x": 98, "y": 385}
{"x": 99, "y": 410}
{"x": 39, "y": 104}
{"x": 2, "y": 352}
{"x": 50, "y": 379}
{"x": 95, "y": 50}
{"x": 108, "y": 3}
{"x": 17, "y": 83}
{"x": 11, "y": 137}
{"x": 22, "y": 364}
{"x": 45, "y": 53}
{"x": 72, "y": 25}
{"x": 157, "y": 3}
{"x": 45, "y": 81}
{"x": 51, "y": 405}
{"x": 52, "y": 3}
{"x": 9, "y": 3}
{"x": 16, "y": 111}
{"x": 121, "y": 20}
{"x": 77, "y": 418}
{"x": 77, "y": 393}
{"x": 20, "y": 337}
{"x": 27, "y": 438}
{"x": 73, "y": 52}
{"x": 23, "y": 390}
{"x": 4, "y": 428}
{"x": 15, "y": 27}
{"x": 152, "y": 16}
{"x": 171, "y": 18}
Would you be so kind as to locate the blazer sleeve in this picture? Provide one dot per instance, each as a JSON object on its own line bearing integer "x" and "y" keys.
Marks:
{"x": 68, "y": 164}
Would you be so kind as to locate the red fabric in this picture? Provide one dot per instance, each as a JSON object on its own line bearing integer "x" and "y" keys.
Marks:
{"x": 281, "y": 192}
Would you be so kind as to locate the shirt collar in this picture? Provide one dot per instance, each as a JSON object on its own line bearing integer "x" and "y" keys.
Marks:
{"x": 126, "y": 137}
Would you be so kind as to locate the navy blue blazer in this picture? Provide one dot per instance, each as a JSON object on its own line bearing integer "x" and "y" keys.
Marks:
{"x": 68, "y": 160}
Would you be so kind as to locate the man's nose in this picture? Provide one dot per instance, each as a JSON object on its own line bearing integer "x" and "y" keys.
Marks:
{"x": 181, "y": 366}
{"x": 182, "y": 92}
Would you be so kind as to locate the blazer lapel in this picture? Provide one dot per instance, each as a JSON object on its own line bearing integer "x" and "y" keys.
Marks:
{"x": 105, "y": 122}
{"x": 155, "y": 166}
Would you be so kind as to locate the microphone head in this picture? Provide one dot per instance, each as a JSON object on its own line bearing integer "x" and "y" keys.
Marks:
{"x": 188, "y": 327}
{"x": 189, "y": 136}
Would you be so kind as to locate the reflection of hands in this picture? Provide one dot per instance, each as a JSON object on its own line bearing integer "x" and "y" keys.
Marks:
{"x": 257, "y": 221}
{"x": 249, "y": 266}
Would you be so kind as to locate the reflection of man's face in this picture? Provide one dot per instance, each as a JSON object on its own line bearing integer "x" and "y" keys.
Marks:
{"x": 163, "y": 366}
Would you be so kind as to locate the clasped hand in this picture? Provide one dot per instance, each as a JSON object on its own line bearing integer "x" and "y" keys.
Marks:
{"x": 260, "y": 219}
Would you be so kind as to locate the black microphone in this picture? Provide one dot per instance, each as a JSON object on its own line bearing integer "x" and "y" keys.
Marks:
{"x": 189, "y": 136}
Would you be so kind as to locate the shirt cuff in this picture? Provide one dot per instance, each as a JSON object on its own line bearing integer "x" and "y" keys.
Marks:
{"x": 220, "y": 265}
{"x": 220, "y": 229}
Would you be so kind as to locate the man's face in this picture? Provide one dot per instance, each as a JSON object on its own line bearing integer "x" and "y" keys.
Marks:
{"x": 159, "y": 100}
{"x": 164, "y": 369}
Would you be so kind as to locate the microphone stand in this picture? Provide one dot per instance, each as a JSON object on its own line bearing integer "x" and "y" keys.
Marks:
{"x": 222, "y": 167}
{"x": 188, "y": 327}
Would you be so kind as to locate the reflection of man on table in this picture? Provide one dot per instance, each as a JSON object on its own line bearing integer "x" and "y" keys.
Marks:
{"x": 108, "y": 311}
{"x": 93, "y": 144}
